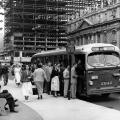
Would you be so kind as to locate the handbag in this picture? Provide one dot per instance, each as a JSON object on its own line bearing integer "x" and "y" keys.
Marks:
{"x": 35, "y": 91}
{"x": 32, "y": 81}
{"x": 12, "y": 72}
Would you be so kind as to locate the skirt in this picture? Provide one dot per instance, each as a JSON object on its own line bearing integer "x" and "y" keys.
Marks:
{"x": 55, "y": 84}
{"x": 27, "y": 88}
{"x": 17, "y": 78}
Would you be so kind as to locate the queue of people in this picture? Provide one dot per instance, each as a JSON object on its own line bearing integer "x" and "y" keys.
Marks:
{"x": 55, "y": 79}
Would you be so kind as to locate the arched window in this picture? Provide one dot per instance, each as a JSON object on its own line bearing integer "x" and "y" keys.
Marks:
{"x": 105, "y": 37}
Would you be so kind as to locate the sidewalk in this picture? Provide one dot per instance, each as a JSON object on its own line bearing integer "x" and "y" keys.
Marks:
{"x": 24, "y": 112}
{"x": 51, "y": 108}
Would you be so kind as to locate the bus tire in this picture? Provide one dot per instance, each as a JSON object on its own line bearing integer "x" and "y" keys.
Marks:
{"x": 105, "y": 95}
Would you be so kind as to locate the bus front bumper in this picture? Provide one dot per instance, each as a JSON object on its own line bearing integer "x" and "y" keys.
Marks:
{"x": 103, "y": 90}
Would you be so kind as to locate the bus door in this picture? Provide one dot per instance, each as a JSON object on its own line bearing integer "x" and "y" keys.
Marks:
{"x": 81, "y": 74}
{"x": 103, "y": 73}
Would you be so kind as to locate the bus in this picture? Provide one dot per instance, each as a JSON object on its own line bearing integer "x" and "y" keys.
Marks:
{"x": 101, "y": 66}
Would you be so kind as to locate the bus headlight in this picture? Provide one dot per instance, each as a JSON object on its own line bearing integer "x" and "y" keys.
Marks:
{"x": 90, "y": 83}
{"x": 94, "y": 77}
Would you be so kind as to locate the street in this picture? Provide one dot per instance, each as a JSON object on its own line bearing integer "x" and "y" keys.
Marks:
{"x": 113, "y": 101}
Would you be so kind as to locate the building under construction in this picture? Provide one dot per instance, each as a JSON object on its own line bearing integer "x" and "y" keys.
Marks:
{"x": 34, "y": 25}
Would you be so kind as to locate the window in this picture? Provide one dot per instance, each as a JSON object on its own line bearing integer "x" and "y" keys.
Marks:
{"x": 103, "y": 59}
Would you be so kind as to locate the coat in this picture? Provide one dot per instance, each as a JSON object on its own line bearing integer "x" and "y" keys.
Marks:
{"x": 66, "y": 74}
{"x": 48, "y": 71}
{"x": 25, "y": 77}
{"x": 39, "y": 75}
{"x": 54, "y": 73}
{"x": 73, "y": 75}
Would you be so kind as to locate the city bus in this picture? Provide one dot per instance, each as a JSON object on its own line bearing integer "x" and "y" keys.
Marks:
{"x": 101, "y": 66}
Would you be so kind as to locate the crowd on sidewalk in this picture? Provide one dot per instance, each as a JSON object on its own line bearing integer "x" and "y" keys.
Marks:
{"x": 47, "y": 78}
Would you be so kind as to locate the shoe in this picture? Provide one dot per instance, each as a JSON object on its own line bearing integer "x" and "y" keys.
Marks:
{"x": 13, "y": 111}
{"x": 38, "y": 98}
{"x": 65, "y": 96}
{"x": 6, "y": 108}
{"x": 16, "y": 105}
{"x": 41, "y": 97}
{"x": 73, "y": 97}
{"x": 15, "y": 100}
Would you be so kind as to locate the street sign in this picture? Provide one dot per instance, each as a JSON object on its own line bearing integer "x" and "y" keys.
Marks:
{"x": 70, "y": 49}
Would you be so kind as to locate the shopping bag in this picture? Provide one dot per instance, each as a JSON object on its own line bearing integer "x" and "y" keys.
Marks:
{"x": 35, "y": 91}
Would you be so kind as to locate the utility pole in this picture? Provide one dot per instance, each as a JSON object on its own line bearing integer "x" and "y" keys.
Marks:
{"x": 70, "y": 50}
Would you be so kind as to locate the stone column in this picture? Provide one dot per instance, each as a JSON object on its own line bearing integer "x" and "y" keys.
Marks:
{"x": 83, "y": 40}
{"x": 92, "y": 38}
{"x": 89, "y": 40}
{"x": 118, "y": 37}
{"x": 80, "y": 40}
{"x": 101, "y": 37}
{"x": 95, "y": 38}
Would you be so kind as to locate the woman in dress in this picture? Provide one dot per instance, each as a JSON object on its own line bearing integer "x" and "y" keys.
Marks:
{"x": 26, "y": 83}
{"x": 17, "y": 72}
{"x": 55, "y": 80}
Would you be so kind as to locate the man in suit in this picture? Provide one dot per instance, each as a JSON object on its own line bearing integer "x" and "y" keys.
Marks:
{"x": 5, "y": 72}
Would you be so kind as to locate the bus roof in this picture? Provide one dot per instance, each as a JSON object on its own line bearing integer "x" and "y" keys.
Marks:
{"x": 82, "y": 48}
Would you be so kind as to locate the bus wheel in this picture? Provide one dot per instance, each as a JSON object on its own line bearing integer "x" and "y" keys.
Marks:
{"x": 105, "y": 95}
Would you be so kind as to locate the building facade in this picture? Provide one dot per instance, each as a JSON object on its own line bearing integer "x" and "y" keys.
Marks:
{"x": 99, "y": 26}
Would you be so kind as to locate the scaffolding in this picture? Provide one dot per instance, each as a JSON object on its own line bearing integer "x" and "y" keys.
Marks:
{"x": 34, "y": 25}
{"x": 37, "y": 25}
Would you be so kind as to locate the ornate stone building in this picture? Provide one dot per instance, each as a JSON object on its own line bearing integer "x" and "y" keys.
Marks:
{"x": 99, "y": 26}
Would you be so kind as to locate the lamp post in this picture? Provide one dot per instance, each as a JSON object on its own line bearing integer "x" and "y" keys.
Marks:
{"x": 70, "y": 50}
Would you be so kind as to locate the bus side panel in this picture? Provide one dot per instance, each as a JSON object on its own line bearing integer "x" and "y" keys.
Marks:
{"x": 101, "y": 81}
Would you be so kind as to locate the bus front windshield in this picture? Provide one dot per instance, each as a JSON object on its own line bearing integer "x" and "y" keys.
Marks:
{"x": 104, "y": 59}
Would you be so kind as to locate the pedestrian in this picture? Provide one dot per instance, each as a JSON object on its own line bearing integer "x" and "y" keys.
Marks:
{"x": 48, "y": 71}
{"x": 66, "y": 76}
{"x": 39, "y": 77}
{"x": 80, "y": 77}
{"x": 26, "y": 83}
{"x": 1, "y": 76}
{"x": 1, "y": 71}
{"x": 5, "y": 72}
{"x": 73, "y": 81}
{"x": 61, "y": 79}
{"x": 45, "y": 81}
{"x": 17, "y": 72}
{"x": 55, "y": 81}
{"x": 10, "y": 100}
